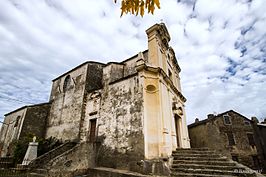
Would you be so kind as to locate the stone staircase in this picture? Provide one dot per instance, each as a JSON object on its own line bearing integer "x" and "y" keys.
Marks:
{"x": 38, "y": 173}
{"x": 37, "y": 168}
{"x": 203, "y": 162}
{"x": 42, "y": 160}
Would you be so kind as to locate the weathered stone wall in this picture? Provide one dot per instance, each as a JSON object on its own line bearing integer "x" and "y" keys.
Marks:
{"x": 117, "y": 71}
{"x": 67, "y": 100}
{"x": 94, "y": 76}
{"x": 22, "y": 122}
{"x": 198, "y": 136}
{"x": 260, "y": 139}
{"x": 11, "y": 130}
{"x": 66, "y": 105}
{"x": 73, "y": 162}
{"x": 213, "y": 134}
{"x": 35, "y": 120}
{"x": 120, "y": 123}
{"x": 262, "y": 134}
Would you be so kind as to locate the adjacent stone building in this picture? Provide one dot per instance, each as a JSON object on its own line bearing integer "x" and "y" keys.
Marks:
{"x": 21, "y": 123}
{"x": 230, "y": 133}
{"x": 133, "y": 110}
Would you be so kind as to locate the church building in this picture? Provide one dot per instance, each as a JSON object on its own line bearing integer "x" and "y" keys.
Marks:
{"x": 133, "y": 111}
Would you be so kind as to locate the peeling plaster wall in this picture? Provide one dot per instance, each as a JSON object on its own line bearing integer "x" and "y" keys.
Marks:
{"x": 118, "y": 109}
{"x": 121, "y": 123}
{"x": 66, "y": 106}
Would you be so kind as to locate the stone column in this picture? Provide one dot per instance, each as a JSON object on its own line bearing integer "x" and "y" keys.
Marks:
{"x": 31, "y": 153}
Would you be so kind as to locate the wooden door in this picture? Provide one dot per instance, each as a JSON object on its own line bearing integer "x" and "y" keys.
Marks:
{"x": 92, "y": 130}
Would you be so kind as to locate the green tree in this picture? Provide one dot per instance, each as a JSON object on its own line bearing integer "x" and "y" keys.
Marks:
{"x": 137, "y": 7}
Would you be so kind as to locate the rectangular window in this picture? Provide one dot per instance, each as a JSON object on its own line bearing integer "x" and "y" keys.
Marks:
{"x": 251, "y": 139}
{"x": 92, "y": 130}
{"x": 17, "y": 121}
{"x": 170, "y": 75}
{"x": 231, "y": 139}
{"x": 227, "y": 119}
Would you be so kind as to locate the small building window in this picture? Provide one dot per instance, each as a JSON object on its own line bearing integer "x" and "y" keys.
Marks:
{"x": 235, "y": 158}
{"x": 251, "y": 139}
{"x": 17, "y": 121}
{"x": 231, "y": 139}
{"x": 170, "y": 75}
{"x": 227, "y": 120}
{"x": 66, "y": 83}
{"x": 246, "y": 122}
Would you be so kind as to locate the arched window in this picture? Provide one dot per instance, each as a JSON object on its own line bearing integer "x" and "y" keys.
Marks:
{"x": 17, "y": 121}
{"x": 66, "y": 83}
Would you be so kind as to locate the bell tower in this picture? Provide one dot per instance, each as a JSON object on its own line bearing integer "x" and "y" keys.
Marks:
{"x": 165, "y": 127}
{"x": 158, "y": 39}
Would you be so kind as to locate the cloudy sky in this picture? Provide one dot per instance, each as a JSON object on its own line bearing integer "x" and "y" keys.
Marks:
{"x": 220, "y": 46}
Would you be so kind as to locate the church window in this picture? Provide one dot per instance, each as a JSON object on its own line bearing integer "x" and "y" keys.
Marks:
{"x": 227, "y": 120}
{"x": 151, "y": 88}
{"x": 17, "y": 121}
{"x": 170, "y": 75}
{"x": 231, "y": 139}
{"x": 66, "y": 83}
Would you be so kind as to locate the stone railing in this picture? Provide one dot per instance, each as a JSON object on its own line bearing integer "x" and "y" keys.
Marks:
{"x": 42, "y": 160}
{"x": 73, "y": 162}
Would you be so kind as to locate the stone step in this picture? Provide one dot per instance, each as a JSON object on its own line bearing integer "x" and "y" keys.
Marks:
{"x": 200, "y": 166}
{"x": 205, "y": 158}
{"x": 197, "y": 155}
{"x": 36, "y": 175}
{"x": 111, "y": 172}
{"x": 197, "y": 175}
{"x": 213, "y": 172}
{"x": 39, "y": 170}
{"x": 194, "y": 152}
{"x": 204, "y": 162}
{"x": 193, "y": 149}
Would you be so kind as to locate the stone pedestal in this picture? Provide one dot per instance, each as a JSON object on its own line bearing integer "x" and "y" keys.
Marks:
{"x": 31, "y": 153}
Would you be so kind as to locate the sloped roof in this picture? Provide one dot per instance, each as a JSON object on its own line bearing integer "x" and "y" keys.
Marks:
{"x": 27, "y": 106}
{"x": 215, "y": 117}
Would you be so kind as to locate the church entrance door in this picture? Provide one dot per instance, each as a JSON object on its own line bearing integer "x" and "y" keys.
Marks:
{"x": 177, "y": 121}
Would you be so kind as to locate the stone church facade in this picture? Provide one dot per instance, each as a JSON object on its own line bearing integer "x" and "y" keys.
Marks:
{"x": 134, "y": 109}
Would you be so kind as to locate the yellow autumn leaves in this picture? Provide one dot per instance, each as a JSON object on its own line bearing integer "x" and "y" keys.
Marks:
{"x": 137, "y": 7}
